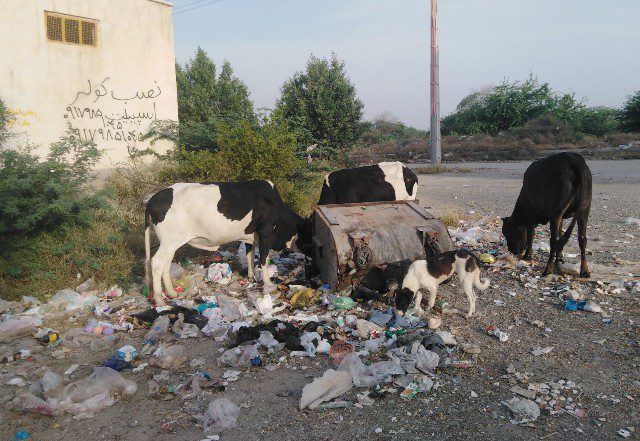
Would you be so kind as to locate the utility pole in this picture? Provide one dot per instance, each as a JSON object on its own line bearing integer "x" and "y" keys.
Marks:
{"x": 436, "y": 154}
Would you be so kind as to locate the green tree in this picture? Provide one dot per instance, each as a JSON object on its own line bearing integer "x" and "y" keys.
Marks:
{"x": 505, "y": 106}
{"x": 5, "y": 117}
{"x": 598, "y": 121}
{"x": 206, "y": 99}
{"x": 630, "y": 113}
{"x": 321, "y": 105}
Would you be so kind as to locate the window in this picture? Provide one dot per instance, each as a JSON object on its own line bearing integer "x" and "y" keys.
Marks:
{"x": 69, "y": 29}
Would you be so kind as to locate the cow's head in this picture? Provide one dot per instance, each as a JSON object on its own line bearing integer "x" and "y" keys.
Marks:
{"x": 516, "y": 236}
{"x": 293, "y": 232}
{"x": 304, "y": 240}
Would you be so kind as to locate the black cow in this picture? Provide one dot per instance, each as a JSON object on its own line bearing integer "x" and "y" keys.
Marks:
{"x": 386, "y": 181}
{"x": 553, "y": 189}
{"x": 206, "y": 216}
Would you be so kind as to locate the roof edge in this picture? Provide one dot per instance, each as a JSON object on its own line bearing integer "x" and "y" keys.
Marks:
{"x": 163, "y": 2}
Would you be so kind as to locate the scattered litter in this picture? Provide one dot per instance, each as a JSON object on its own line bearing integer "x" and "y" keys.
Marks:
{"x": 220, "y": 273}
{"x": 502, "y": 336}
{"x": 332, "y": 384}
{"x": 222, "y": 414}
{"x": 538, "y": 351}
{"x": 524, "y": 411}
{"x": 486, "y": 258}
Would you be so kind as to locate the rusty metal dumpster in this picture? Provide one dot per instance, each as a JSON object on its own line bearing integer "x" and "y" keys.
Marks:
{"x": 350, "y": 239}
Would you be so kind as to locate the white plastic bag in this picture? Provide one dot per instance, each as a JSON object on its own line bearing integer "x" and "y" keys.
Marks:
{"x": 222, "y": 414}
{"x": 219, "y": 273}
{"x": 366, "y": 376}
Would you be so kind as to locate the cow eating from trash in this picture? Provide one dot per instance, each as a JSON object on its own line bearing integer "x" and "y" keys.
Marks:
{"x": 206, "y": 216}
{"x": 554, "y": 188}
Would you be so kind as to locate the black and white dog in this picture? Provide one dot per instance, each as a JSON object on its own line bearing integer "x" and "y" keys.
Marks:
{"x": 429, "y": 274}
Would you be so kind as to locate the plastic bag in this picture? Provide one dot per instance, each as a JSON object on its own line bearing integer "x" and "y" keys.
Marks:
{"x": 219, "y": 273}
{"x": 332, "y": 384}
{"x": 271, "y": 269}
{"x": 47, "y": 386}
{"x": 239, "y": 357}
{"x": 95, "y": 392}
{"x": 158, "y": 329}
{"x": 222, "y": 414}
{"x": 304, "y": 298}
{"x": 343, "y": 302}
{"x": 169, "y": 357}
{"x": 18, "y": 327}
{"x": 266, "y": 339}
{"x": 366, "y": 376}
{"x": 71, "y": 300}
{"x": 184, "y": 330}
{"x": 30, "y": 403}
{"x": 312, "y": 343}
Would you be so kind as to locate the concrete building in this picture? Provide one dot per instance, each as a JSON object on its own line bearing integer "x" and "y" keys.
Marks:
{"x": 104, "y": 66}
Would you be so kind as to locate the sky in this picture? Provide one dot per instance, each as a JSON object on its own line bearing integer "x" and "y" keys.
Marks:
{"x": 588, "y": 47}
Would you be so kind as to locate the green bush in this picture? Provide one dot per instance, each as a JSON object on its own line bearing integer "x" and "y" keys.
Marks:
{"x": 630, "y": 113}
{"x": 245, "y": 151}
{"x": 514, "y": 105}
{"x": 505, "y": 106}
{"x": 52, "y": 226}
{"x": 37, "y": 196}
{"x": 546, "y": 128}
{"x": 598, "y": 121}
{"x": 385, "y": 129}
{"x": 322, "y": 107}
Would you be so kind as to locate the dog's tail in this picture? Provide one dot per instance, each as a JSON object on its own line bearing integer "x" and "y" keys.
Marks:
{"x": 481, "y": 285}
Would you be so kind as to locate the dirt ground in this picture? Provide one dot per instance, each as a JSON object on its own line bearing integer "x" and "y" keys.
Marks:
{"x": 598, "y": 352}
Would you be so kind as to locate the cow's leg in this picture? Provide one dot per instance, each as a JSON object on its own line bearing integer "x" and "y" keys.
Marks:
{"x": 265, "y": 240}
{"x": 560, "y": 246}
{"x": 582, "y": 241}
{"x": 531, "y": 230}
{"x": 159, "y": 263}
{"x": 250, "y": 261}
{"x": 563, "y": 241}
{"x": 554, "y": 225}
{"x": 166, "y": 279}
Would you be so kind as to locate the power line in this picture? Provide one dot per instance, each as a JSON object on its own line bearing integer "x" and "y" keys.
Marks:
{"x": 196, "y": 7}
{"x": 184, "y": 5}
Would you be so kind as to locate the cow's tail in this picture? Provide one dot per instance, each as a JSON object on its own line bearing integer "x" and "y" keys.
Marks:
{"x": 147, "y": 262}
{"x": 579, "y": 201}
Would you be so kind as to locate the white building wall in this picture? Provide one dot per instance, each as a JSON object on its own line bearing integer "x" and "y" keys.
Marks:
{"x": 109, "y": 93}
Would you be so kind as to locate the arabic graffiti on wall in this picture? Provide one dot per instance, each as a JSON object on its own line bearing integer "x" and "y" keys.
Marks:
{"x": 18, "y": 117}
{"x": 99, "y": 113}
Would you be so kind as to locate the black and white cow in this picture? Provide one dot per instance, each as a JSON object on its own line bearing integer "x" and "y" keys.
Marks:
{"x": 553, "y": 189}
{"x": 206, "y": 216}
{"x": 386, "y": 181}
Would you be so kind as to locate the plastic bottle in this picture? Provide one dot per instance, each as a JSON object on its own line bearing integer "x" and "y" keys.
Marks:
{"x": 158, "y": 329}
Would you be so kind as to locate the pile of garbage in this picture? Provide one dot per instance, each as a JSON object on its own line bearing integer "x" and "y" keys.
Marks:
{"x": 371, "y": 348}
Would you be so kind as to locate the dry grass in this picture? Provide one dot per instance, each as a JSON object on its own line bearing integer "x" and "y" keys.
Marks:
{"x": 432, "y": 169}
{"x": 450, "y": 217}
{"x": 44, "y": 264}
